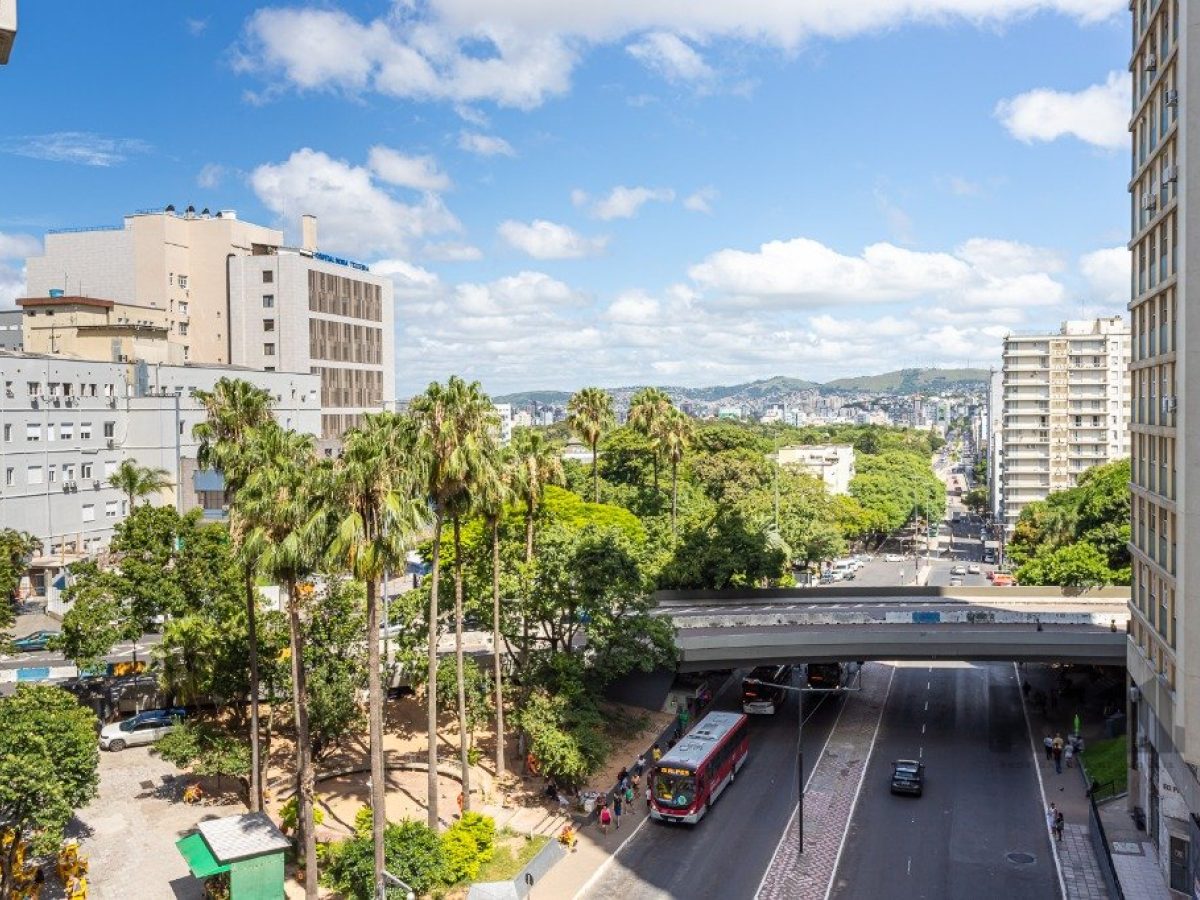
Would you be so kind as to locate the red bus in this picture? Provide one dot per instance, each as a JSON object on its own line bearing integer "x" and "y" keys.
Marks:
{"x": 688, "y": 780}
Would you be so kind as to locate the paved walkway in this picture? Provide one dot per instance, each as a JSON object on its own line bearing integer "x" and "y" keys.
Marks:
{"x": 1082, "y": 876}
{"x": 1133, "y": 854}
{"x": 829, "y": 797}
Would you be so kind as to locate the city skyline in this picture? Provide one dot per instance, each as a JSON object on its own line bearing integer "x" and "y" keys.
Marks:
{"x": 620, "y": 195}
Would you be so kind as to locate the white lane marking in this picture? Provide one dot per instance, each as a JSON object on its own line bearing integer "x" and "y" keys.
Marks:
{"x": 931, "y": 668}
{"x": 922, "y": 728}
{"x": 837, "y": 860}
{"x": 796, "y": 808}
{"x": 921, "y": 752}
{"x": 910, "y": 861}
{"x": 604, "y": 865}
{"x": 926, "y": 706}
{"x": 1037, "y": 768}
{"x": 927, "y": 684}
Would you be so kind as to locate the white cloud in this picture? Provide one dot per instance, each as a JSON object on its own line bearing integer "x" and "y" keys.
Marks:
{"x": 579, "y": 198}
{"x": 485, "y": 144}
{"x": 80, "y": 147}
{"x": 1097, "y": 115}
{"x": 899, "y": 222}
{"x": 963, "y": 187}
{"x": 1107, "y": 274}
{"x": 1008, "y": 258}
{"x": 357, "y": 216}
{"x": 471, "y": 115}
{"x": 668, "y": 55}
{"x": 420, "y": 173}
{"x": 701, "y": 200}
{"x": 407, "y": 57}
{"x": 624, "y": 202}
{"x": 19, "y": 246}
{"x": 196, "y": 27}
{"x": 549, "y": 240}
{"x": 210, "y": 175}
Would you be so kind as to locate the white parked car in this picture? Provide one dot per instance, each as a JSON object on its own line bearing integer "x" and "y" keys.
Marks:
{"x": 894, "y": 557}
{"x": 144, "y": 728}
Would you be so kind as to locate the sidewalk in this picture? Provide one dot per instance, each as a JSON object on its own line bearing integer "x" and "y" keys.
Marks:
{"x": 1133, "y": 854}
{"x": 1081, "y": 872}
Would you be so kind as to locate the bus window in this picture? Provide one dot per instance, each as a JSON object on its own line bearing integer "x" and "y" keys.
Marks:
{"x": 674, "y": 789}
{"x": 824, "y": 675}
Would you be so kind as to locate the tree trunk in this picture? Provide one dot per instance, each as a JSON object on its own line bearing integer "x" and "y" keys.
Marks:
{"x": 674, "y": 496}
{"x": 256, "y": 788}
{"x": 375, "y": 720}
{"x": 304, "y": 768}
{"x": 499, "y": 671}
{"x": 595, "y": 472}
{"x": 431, "y": 683}
{"x": 529, "y": 513}
{"x": 463, "y": 747}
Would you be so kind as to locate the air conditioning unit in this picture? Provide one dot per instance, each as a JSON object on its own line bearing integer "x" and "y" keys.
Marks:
{"x": 111, "y": 443}
{"x": 66, "y": 487}
{"x": 1170, "y": 173}
{"x": 96, "y": 484}
{"x": 1148, "y": 201}
{"x": 1168, "y": 404}
{"x": 1172, "y": 98}
{"x": 1151, "y": 62}
{"x": 112, "y": 402}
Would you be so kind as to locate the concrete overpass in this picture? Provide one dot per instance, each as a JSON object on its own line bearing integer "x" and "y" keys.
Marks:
{"x": 729, "y": 629}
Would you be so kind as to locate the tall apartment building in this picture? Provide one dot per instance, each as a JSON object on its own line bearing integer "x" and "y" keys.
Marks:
{"x": 8, "y": 28}
{"x": 1066, "y": 408}
{"x": 832, "y": 463}
{"x": 66, "y": 424}
{"x": 994, "y": 438}
{"x": 1164, "y": 644}
{"x": 231, "y": 293}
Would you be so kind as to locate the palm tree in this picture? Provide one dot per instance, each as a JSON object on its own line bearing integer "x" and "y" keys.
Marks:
{"x": 536, "y": 464}
{"x": 649, "y": 409}
{"x": 676, "y": 434}
{"x": 139, "y": 481}
{"x": 455, "y": 425}
{"x": 493, "y": 492}
{"x": 589, "y": 413}
{"x": 234, "y": 409}
{"x": 278, "y": 500}
{"x": 378, "y": 511}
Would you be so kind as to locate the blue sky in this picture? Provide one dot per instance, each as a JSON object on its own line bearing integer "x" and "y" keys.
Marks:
{"x": 619, "y": 192}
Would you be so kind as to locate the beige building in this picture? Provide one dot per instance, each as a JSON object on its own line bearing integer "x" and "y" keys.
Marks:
{"x": 92, "y": 328}
{"x": 8, "y": 28}
{"x": 1164, "y": 645}
{"x": 1065, "y": 408}
{"x": 832, "y": 463}
{"x": 177, "y": 262}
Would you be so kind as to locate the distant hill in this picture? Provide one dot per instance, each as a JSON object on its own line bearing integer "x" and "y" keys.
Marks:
{"x": 910, "y": 381}
{"x": 780, "y": 388}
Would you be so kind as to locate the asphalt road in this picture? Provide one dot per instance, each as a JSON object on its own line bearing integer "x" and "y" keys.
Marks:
{"x": 726, "y": 854}
{"x": 981, "y": 799}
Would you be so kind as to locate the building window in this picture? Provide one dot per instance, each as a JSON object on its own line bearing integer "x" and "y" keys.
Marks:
{"x": 10, "y": 476}
{"x": 85, "y": 470}
{"x": 110, "y": 509}
{"x": 110, "y": 466}
{"x": 183, "y": 279}
{"x": 85, "y": 431}
{"x": 268, "y": 301}
{"x": 33, "y": 432}
{"x": 187, "y": 351}
{"x": 35, "y": 388}
{"x": 268, "y": 276}
{"x": 7, "y": 433}
{"x": 89, "y": 512}
{"x": 33, "y": 475}
{"x": 268, "y": 349}
{"x": 68, "y": 471}
{"x": 268, "y": 324}
{"x": 66, "y": 431}
{"x": 183, "y": 328}
{"x": 183, "y": 309}
{"x": 51, "y": 474}
{"x": 110, "y": 429}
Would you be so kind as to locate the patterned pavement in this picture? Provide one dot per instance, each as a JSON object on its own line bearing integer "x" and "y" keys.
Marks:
{"x": 829, "y": 797}
{"x": 1081, "y": 871}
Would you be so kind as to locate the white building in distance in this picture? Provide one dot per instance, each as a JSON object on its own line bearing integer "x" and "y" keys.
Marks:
{"x": 832, "y": 463}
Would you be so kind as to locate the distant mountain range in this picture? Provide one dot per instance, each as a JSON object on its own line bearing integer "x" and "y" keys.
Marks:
{"x": 768, "y": 390}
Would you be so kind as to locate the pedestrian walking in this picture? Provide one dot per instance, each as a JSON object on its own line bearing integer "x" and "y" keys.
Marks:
{"x": 1060, "y": 822}
{"x": 647, "y": 796}
{"x": 1051, "y": 815}
{"x": 656, "y": 752}
{"x": 629, "y": 795}
{"x": 1049, "y": 742}
{"x": 618, "y": 802}
{"x": 640, "y": 766}
{"x": 1058, "y": 755}
{"x": 636, "y": 783}
{"x": 1068, "y": 752}
{"x": 605, "y": 819}
{"x": 622, "y": 775}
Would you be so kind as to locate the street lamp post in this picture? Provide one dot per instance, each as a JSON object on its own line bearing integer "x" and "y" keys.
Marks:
{"x": 800, "y": 692}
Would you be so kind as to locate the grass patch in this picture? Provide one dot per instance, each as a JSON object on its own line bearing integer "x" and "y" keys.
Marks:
{"x": 513, "y": 853}
{"x": 1105, "y": 762}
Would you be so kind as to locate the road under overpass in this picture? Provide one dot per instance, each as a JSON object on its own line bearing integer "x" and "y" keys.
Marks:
{"x": 721, "y": 630}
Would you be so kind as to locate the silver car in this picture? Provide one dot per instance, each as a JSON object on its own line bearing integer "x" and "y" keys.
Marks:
{"x": 144, "y": 728}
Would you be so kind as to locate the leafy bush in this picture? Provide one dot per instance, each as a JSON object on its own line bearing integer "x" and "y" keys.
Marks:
{"x": 289, "y": 813}
{"x": 413, "y": 852}
{"x": 461, "y": 852}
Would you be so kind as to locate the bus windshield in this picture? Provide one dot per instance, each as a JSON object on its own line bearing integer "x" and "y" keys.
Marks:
{"x": 674, "y": 789}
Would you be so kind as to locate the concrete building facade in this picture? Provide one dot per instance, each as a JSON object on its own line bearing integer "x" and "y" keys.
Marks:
{"x": 995, "y": 446}
{"x": 67, "y": 424}
{"x": 1164, "y": 643}
{"x": 832, "y": 463}
{"x": 10, "y": 329}
{"x": 94, "y": 328}
{"x": 1065, "y": 408}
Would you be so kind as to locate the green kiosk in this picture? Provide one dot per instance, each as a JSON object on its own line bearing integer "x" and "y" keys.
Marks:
{"x": 249, "y": 847}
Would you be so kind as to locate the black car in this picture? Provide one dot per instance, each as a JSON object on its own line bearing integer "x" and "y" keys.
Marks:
{"x": 908, "y": 777}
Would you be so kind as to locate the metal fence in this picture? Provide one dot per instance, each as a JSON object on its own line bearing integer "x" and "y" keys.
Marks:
{"x": 1100, "y": 841}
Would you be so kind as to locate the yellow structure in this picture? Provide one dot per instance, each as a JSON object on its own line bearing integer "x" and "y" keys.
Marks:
{"x": 94, "y": 328}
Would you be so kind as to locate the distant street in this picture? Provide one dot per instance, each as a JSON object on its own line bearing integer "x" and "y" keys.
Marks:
{"x": 981, "y": 800}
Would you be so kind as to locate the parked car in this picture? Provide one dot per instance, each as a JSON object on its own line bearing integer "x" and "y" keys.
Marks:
{"x": 973, "y": 569}
{"x": 894, "y": 557}
{"x": 955, "y": 582}
{"x": 908, "y": 777}
{"x": 144, "y": 728}
{"x": 39, "y": 640}
{"x": 958, "y": 570}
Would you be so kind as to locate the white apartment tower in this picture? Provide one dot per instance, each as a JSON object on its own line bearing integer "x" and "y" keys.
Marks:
{"x": 1163, "y": 656}
{"x": 1065, "y": 408}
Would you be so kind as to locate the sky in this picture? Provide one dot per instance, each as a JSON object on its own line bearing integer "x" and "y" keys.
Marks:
{"x": 677, "y": 192}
